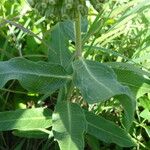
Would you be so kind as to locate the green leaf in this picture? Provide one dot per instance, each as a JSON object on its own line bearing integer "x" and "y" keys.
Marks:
{"x": 107, "y": 131}
{"x": 39, "y": 77}
{"x": 68, "y": 126}
{"x": 123, "y": 8}
{"x": 67, "y": 27}
{"x": 96, "y": 81}
{"x": 133, "y": 77}
{"x": 129, "y": 106}
{"x": 30, "y": 134}
{"x": 36, "y": 134}
{"x": 145, "y": 102}
{"x": 25, "y": 119}
{"x": 105, "y": 50}
{"x": 59, "y": 52}
{"x": 145, "y": 114}
{"x": 93, "y": 142}
{"x": 147, "y": 129}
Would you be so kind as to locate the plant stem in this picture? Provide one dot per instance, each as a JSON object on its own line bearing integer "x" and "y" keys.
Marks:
{"x": 78, "y": 41}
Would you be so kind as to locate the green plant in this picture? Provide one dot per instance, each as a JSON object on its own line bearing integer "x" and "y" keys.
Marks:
{"x": 70, "y": 76}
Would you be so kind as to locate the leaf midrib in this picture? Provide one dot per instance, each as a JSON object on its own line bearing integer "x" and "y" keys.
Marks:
{"x": 24, "y": 119}
{"x": 39, "y": 75}
{"x": 92, "y": 76}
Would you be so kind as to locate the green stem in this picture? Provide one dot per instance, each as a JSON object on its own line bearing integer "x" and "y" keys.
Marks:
{"x": 78, "y": 41}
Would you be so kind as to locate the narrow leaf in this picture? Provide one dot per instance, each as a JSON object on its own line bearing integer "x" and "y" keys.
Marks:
{"x": 147, "y": 129}
{"x": 107, "y": 131}
{"x": 36, "y": 134}
{"x": 34, "y": 76}
{"x": 25, "y": 119}
{"x": 68, "y": 126}
{"x": 30, "y": 134}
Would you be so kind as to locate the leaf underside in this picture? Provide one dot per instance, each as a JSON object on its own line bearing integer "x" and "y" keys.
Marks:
{"x": 107, "y": 131}
{"x": 98, "y": 82}
{"x": 68, "y": 126}
{"x": 25, "y": 119}
{"x": 39, "y": 77}
{"x": 59, "y": 52}
{"x": 133, "y": 77}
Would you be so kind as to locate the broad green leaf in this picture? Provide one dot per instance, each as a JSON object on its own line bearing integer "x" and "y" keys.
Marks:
{"x": 107, "y": 131}
{"x": 59, "y": 52}
{"x": 68, "y": 28}
{"x": 133, "y": 77}
{"x": 25, "y": 119}
{"x": 68, "y": 126}
{"x": 98, "y": 82}
{"x": 39, "y": 77}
